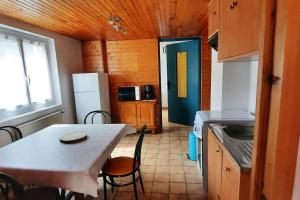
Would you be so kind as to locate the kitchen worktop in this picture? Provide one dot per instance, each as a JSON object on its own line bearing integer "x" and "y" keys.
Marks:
{"x": 241, "y": 150}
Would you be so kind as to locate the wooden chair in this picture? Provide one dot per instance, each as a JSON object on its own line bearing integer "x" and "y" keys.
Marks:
{"x": 35, "y": 193}
{"x": 125, "y": 166}
{"x": 106, "y": 117}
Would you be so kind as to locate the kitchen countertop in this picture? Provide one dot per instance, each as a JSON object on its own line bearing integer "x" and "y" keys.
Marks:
{"x": 240, "y": 150}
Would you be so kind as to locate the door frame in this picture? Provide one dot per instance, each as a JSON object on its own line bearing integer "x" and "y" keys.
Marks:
{"x": 198, "y": 38}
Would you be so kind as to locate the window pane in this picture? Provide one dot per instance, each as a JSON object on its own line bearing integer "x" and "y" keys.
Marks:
{"x": 36, "y": 60}
{"x": 182, "y": 74}
{"x": 12, "y": 80}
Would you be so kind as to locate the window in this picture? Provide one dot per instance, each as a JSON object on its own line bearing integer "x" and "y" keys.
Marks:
{"x": 26, "y": 84}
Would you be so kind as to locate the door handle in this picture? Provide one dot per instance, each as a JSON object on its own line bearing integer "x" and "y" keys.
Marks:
{"x": 169, "y": 85}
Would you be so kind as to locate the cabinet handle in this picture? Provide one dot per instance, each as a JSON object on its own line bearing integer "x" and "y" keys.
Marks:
{"x": 218, "y": 197}
{"x": 218, "y": 150}
{"x": 227, "y": 169}
{"x": 215, "y": 12}
{"x": 234, "y": 3}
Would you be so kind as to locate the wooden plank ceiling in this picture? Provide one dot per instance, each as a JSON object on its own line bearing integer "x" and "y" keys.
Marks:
{"x": 88, "y": 19}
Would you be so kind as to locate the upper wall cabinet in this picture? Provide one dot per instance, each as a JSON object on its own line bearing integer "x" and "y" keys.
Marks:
{"x": 239, "y": 28}
{"x": 214, "y": 15}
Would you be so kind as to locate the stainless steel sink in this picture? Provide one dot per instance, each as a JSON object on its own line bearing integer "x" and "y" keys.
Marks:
{"x": 239, "y": 132}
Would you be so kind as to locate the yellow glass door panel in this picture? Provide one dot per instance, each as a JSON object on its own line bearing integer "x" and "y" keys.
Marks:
{"x": 182, "y": 74}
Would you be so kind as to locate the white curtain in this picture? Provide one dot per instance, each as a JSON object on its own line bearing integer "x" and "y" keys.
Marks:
{"x": 35, "y": 55}
{"x": 12, "y": 80}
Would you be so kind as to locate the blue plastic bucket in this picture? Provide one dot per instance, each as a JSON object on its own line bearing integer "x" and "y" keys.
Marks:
{"x": 192, "y": 146}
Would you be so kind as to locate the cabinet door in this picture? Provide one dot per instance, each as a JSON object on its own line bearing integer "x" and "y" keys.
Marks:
{"x": 128, "y": 113}
{"x": 214, "y": 168}
{"x": 230, "y": 178}
{"x": 213, "y": 17}
{"x": 145, "y": 113}
{"x": 228, "y": 191}
{"x": 239, "y": 27}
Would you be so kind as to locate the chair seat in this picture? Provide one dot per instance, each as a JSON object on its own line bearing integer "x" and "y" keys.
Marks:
{"x": 39, "y": 193}
{"x": 119, "y": 166}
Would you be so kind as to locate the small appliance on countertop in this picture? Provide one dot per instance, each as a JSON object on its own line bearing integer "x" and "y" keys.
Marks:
{"x": 129, "y": 93}
{"x": 149, "y": 92}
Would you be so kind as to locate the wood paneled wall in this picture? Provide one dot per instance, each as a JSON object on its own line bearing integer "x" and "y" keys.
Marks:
{"x": 135, "y": 62}
{"x": 94, "y": 56}
{"x": 206, "y": 74}
{"x": 132, "y": 62}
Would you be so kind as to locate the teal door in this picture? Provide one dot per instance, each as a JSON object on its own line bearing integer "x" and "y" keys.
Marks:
{"x": 183, "y": 69}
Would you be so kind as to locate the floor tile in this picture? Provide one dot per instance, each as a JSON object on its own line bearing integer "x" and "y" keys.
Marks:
{"x": 177, "y": 169}
{"x": 178, "y": 188}
{"x": 162, "y": 169}
{"x": 148, "y": 168}
{"x": 123, "y": 196}
{"x": 190, "y": 170}
{"x": 177, "y": 197}
{"x": 159, "y": 196}
{"x": 148, "y": 176}
{"x": 162, "y": 177}
{"x": 192, "y": 178}
{"x": 161, "y": 187}
{"x": 149, "y": 161}
{"x": 193, "y": 188}
{"x": 177, "y": 178}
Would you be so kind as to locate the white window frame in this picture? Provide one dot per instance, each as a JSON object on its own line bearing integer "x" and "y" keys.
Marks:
{"x": 37, "y": 109}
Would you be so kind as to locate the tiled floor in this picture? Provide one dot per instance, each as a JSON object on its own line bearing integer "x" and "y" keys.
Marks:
{"x": 167, "y": 172}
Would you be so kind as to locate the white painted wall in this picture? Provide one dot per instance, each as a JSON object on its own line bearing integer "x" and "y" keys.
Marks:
{"x": 253, "y": 85}
{"x": 216, "y": 82}
{"x": 235, "y": 91}
{"x": 163, "y": 72}
{"x": 69, "y": 61}
{"x": 233, "y": 84}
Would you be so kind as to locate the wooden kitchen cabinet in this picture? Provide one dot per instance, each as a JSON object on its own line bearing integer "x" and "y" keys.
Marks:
{"x": 214, "y": 168}
{"x": 145, "y": 113}
{"x": 138, "y": 113}
{"x": 239, "y": 28}
{"x": 128, "y": 113}
{"x": 226, "y": 180}
{"x": 213, "y": 17}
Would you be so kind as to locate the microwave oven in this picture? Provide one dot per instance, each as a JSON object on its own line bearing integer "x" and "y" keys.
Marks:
{"x": 129, "y": 93}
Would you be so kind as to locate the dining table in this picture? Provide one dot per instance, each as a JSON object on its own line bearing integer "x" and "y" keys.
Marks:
{"x": 42, "y": 159}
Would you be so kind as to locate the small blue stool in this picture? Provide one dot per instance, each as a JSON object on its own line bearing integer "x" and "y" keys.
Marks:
{"x": 192, "y": 146}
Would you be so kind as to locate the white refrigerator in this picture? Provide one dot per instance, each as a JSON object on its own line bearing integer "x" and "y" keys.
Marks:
{"x": 91, "y": 93}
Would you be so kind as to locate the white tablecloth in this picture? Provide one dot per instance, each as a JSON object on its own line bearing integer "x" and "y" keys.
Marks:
{"x": 41, "y": 159}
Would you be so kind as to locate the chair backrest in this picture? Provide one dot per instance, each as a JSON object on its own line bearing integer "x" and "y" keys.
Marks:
{"x": 12, "y": 132}
{"x": 104, "y": 115}
{"x": 138, "y": 147}
{"x": 16, "y": 187}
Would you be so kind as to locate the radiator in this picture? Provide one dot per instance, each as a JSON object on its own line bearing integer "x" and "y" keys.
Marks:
{"x": 40, "y": 123}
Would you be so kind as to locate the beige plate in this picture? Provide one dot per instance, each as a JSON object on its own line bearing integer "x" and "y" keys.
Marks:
{"x": 73, "y": 137}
